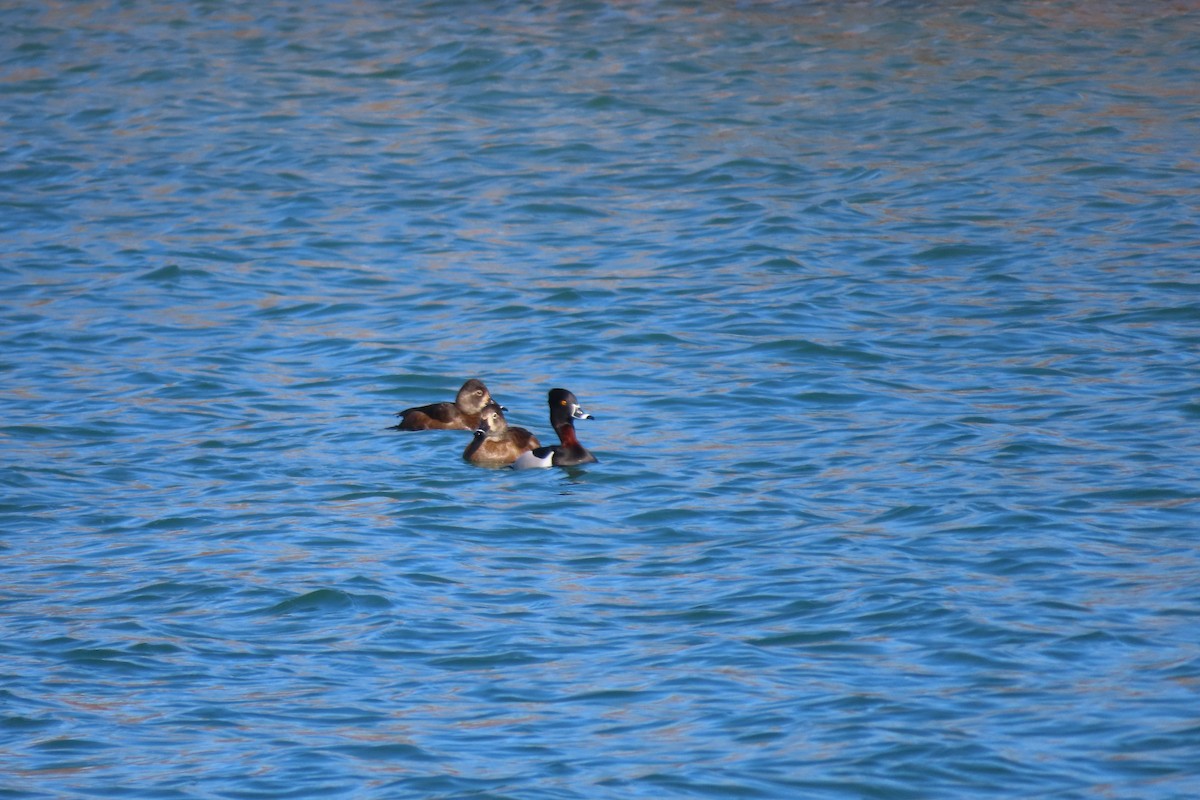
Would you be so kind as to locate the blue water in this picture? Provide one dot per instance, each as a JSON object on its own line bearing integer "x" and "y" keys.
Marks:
{"x": 888, "y": 313}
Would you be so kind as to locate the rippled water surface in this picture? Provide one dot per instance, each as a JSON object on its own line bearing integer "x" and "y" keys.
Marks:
{"x": 888, "y": 313}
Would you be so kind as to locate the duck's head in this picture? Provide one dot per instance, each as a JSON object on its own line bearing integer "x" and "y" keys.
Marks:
{"x": 473, "y": 396}
{"x": 491, "y": 422}
{"x": 564, "y": 407}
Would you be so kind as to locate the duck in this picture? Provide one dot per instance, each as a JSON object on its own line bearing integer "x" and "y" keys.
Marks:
{"x": 461, "y": 415}
{"x": 496, "y": 443}
{"x": 564, "y": 410}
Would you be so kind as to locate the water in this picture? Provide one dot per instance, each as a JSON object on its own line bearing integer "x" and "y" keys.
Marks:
{"x": 888, "y": 313}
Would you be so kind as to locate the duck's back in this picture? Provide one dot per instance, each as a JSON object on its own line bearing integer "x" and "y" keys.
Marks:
{"x": 570, "y": 456}
{"x": 555, "y": 455}
{"x": 436, "y": 416}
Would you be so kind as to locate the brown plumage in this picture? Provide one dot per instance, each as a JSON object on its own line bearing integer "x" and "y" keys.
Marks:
{"x": 461, "y": 415}
{"x": 495, "y": 443}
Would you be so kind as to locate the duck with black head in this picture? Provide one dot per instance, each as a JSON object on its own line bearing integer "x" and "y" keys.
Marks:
{"x": 564, "y": 410}
{"x": 495, "y": 442}
{"x": 461, "y": 415}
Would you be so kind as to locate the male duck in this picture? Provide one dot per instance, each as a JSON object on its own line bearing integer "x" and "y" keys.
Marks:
{"x": 461, "y": 415}
{"x": 495, "y": 443}
{"x": 564, "y": 409}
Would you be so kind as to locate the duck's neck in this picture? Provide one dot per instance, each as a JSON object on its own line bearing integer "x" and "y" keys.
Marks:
{"x": 566, "y": 434}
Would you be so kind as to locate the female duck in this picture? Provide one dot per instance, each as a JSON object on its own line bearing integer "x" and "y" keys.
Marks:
{"x": 564, "y": 410}
{"x": 461, "y": 415}
{"x": 495, "y": 443}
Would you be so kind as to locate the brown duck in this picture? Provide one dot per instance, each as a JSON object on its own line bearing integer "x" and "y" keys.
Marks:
{"x": 495, "y": 443}
{"x": 461, "y": 415}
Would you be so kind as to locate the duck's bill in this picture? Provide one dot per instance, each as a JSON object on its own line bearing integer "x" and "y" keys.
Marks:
{"x": 579, "y": 413}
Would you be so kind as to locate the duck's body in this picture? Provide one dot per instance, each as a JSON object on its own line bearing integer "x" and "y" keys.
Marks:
{"x": 564, "y": 410}
{"x": 461, "y": 415}
{"x": 495, "y": 443}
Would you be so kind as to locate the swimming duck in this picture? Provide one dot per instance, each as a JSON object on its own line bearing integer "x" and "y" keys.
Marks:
{"x": 564, "y": 410}
{"x": 495, "y": 443}
{"x": 461, "y": 415}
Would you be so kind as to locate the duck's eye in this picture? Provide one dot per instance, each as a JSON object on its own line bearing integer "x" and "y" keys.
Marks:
{"x": 562, "y": 402}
